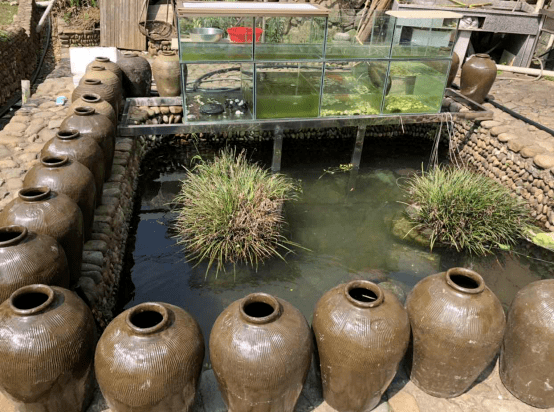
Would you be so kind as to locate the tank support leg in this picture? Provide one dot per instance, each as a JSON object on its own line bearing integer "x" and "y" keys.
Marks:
{"x": 277, "y": 150}
{"x": 358, "y": 146}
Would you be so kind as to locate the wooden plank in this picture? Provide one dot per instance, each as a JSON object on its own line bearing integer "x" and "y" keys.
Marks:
{"x": 119, "y": 24}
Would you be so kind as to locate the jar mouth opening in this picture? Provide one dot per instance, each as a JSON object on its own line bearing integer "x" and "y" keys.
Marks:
{"x": 102, "y": 59}
{"x": 90, "y": 97}
{"x": 31, "y": 299}
{"x": 34, "y": 193}
{"x": 364, "y": 294}
{"x": 168, "y": 52}
{"x": 465, "y": 280}
{"x": 68, "y": 134}
{"x": 54, "y": 161}
{"x": 92, "y": 82}
{"x": 147, "y": 318}
{"x": 483, "y": 55}
{"x": 84, "y": 111}
{"x": 97, "y": 68}
{"x": 12, "y": 235}
{"x": 260, "y": 308}
{"x": 130, "y": 54}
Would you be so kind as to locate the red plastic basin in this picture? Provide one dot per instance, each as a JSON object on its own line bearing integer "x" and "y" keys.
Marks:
{"x": 243, "y": 34}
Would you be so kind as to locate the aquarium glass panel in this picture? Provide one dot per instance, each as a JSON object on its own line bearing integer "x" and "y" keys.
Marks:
{"x": 416, "y": 86}
{"x": 218, "y": 92}
{"x": 215, "y": 38}
{"x": 423, "y": 37}
{"x": 289, "y": 38}
{"x": 353, "y": 88}
{"x": 287, "y": 90}
{"x": 345, "y": 42}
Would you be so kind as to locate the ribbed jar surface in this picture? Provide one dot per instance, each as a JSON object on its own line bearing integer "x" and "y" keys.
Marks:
{"x": 167, "y": 72}
{"x": 99, "y": 105}
{"x": 137, "y": 75}
{"x": 478, "y": 76}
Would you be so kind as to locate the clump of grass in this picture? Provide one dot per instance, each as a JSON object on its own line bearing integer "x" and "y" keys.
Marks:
{"x": 465, "y": 210}
{"x": 230, "y": 211}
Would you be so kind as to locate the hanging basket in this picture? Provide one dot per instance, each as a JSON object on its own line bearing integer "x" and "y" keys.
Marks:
{"x": 156, "y": 30}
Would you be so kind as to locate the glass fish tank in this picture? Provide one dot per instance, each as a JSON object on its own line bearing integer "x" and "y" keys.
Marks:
{"x": 260, "y": 61}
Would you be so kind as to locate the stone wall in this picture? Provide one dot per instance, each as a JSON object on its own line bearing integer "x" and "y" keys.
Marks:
{"x": 19, "y": 48}
{"x": 70, "y": 36}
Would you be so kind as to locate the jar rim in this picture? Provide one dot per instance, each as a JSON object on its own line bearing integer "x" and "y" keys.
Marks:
{"x": 31, "y": 289}
{"x": 370, "y": 301}
{"x": 145, "y": 308}
{"x": 260, "y": 300}
{"x": 20, "y": 232}
{"x": 26, "y": 195}
{"x": 465, "y": 280}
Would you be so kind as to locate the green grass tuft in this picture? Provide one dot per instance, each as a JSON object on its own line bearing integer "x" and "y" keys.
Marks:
{"x": 230, "y": 211}
{"x": 465, "y": 210}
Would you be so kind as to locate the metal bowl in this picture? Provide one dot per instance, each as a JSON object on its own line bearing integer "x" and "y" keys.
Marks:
{"x": 206, "y": 34}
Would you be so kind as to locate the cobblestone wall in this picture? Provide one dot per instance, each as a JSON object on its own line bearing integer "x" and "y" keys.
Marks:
{"x": 70, "y": 36}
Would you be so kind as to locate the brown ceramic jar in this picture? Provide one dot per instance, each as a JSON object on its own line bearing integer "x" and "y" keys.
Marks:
{"x": 99, "y": 105}
{"x": 453, "y": 69}
{"x": 137, "y": 75}
{"x": 167, "y": 73}
{"x": 46, "y": 350}
{"x": 527, "y": 356}
{"x": 478, "y": 75}
{"x": 84, "y": 150}
{"x": 105, "y": 62}
{"x": 96, "y": 72}
{"x": 46, "y": 212}
{"x": 457, "y": 327}
{"x": 261, "y": 349}
{"x": 64, "y": 175}
{"x": 27, "y": 257}
{"x": 157, "y": 343}
{"x": 361, "y": 332}
{"x": 96, "y": 126}
{"x": 96, "y": 86}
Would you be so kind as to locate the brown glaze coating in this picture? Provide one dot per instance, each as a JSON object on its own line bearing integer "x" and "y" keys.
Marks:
{"x": 107, "y": 64}
{"x": 27, "y": 257}
{"x": 167, "y": 73}
{"x": 99, "y": 105}
{"x": 457, "y": 327}
{"x": 478, "y": 75}
{"x": 98, "y": 87}
{"x": 49, "y": 213}
{"x": 527, "y": 356}
{"x": 261, "y": 348}
{"x": 137, "y": 75}
{"x": 46, "y": 350}
{"x": 149, "y": 359}
{"x": 107, "y": 77}
{"x": 65, "y": 175}
{"x": 94, "y": 125}
{"x": 453, "y": 69}
{"x": 362, "y": 332}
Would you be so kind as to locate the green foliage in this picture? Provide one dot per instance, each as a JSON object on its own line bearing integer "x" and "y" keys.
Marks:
{"x": 465, "y": 210}
{"x": 550, "y": 78}
{"x": 230, "y": 211}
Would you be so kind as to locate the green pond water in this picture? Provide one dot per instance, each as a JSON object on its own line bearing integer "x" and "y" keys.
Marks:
{"x": 343, "y": 219}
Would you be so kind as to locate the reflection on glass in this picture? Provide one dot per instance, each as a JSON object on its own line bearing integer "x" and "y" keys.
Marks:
{"x": 420, "y": 37}
{"x": 286, "y": 90}
{"x": 416, "y": 87}
{"x": 211, "y": 39}
{"x": 353, "y": 88}
{"x": 289, "y": 38}
{"x": 218, "y": 92}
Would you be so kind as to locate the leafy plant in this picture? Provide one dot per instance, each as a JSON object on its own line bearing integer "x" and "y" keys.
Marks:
{"x": 465, "y": 210}
{"x": 230, "y": 211}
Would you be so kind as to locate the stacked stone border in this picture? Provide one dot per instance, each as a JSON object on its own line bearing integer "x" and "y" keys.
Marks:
{"x": 70, "y": 36}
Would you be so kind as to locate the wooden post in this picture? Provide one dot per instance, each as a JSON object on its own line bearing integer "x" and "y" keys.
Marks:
{"x": 25, "y": 91}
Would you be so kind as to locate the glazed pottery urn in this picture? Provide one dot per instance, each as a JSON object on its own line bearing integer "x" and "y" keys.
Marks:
{"x": 149, "y": 359}
{"x": 105, "y": 62}
{"x": 137, "y": 75}
{"x": 478, "y": 75}
{"x": 27, "y": 257}
{"x": 99, "y": 105}
{"x": 108, "y": 78}
{"x": 166, "y": 70}
{"x": 260, "y": 349}
{"x": 94, "y": 125}
{"x": 527, "y": 355}
{"x": 64, "y": 175}
{"x": 98, "y": 87}
{"x": 46, "y": 350}
{"x": 362, "y": 333}
{"x": 453, "y": 69}
{"x": 457, "y": 328}
{"x": 46, "y": 212}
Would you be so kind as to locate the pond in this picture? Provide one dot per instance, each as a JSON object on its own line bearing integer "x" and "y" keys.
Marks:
{"x": 343, "y": 220}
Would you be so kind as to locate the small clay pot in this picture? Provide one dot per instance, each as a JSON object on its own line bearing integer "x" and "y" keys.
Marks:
{"x": 105, "y": 62}
{"x": 167, "y": 70}
{"x": 46, "y": 350}
{"x": 67, "y": 176}
{"x": 98, "y": 87}
{"x": 107, "y": 77}
{"x": 91, "y": 124}
{"x": 137, "y": 75}
{"x": 26, "y": 258}
{"x": 453, "y": 69}
{"x": 261, "y": 349}
{"x": 457, "y": 327}
{"x": 99, "y": 105}
{"x": 84, "y": 150}
{"x": 527, "y": 356}
{"x": 46, "y": 212}
{"x": 156, "y": 343}
{"x": 362, "y": 333}
{"x": 478, "y": 75}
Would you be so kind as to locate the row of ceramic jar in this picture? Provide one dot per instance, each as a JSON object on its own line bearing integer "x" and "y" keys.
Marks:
{"x": 150, "y": 357}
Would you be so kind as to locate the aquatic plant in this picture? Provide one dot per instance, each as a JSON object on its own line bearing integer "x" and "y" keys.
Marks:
{"x": 230, "y": 211}
{"x": 465, "y": 210}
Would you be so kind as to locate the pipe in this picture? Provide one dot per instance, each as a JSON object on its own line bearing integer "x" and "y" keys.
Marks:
{"x": 46, "y": 13}
{"x": 524, "y": 70}
{"x": 519, "y": 116}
